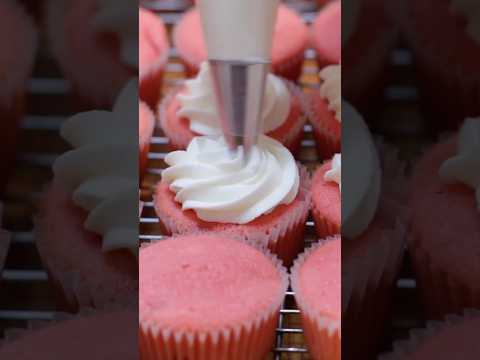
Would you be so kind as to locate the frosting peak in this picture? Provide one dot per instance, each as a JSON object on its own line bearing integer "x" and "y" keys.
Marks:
{"x": 331, "y": 88}
{"x": 121, "y": 18}
{"x": 198, "y": 103}
{"x": 464, "y": 167}
{"x": 108, "y": 192}
{"x": 335, "y": 173}
{"x": 231, "y": 188}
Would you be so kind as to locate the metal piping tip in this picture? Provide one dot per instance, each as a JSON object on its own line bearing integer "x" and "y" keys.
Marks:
{"x": 239, "y": 87}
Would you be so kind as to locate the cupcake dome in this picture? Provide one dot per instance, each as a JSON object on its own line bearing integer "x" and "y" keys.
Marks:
{"x": 226, "y": 298}
{"x": 317, "y": 282}
{"x": 146, "y": 123}
{"x": 153, "y": 55}
{"x": 289, "y": 43}
{"x": 97, "y": 337}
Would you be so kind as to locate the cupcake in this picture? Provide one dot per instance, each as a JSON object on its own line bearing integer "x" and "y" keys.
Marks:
{"x": 446, "y": 254}
{"x": 153, "y": 55}
{"x": 446, "y": 51}
{"x": 227, "y": 298}
{"x": 191, "y": 111}
{"x": 95, "y": 43}
{"x": 93, "y": 336}
{"x": 317, "y": 283}
{"x": 454, "y": 338}
{"x": 19, "y": 42}
{"x": 326, "y": 34}
{"x": 326, "y": 116}
{"x": 263, "y": 198}
{"x": 87, "y": 229}
{"x": 290, "y": 40}
{"x": 146, "y": 124}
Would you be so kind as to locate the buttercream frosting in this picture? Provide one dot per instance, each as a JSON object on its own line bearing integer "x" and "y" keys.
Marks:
{"x": 464, "y": 167}
{"x": 335, "y": 172}
{"x": 225, "y": 187}
{"x": 362, "y": 181}
{"x": 91, "y": 171}
{"x": 470, "y": 10}
{"x": 331, "y": 88}
{"x": 198, "y": 103}
{"x": 121, "y": 18}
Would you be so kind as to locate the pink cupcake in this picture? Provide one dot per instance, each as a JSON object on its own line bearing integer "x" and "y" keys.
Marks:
{"x": 326, "y": 116}
{"x": 264, "y": 199}
{"x": 191, "y": 111}
{"x": 289, "y": 43}
{"x": 325, "y": 35}
{"x": 95, "y": 44}
{"x": 446, "y": 50}
{"x": 317, "y": 282}
{"x": 446, "y": 254}
{"x": 227, "y": 298}
{"x": 19, "y": 42}
{"x": 93, "y": 336}
{"x": 153, "y": 55}
{"x": 454, "y": 338}
{"x": 146, "y": 124}
{"x": 88, "y": 222}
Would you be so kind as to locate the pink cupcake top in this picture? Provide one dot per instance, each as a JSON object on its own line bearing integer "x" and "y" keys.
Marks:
{"x": 326, "y": 33}
{"x": 326, "y": 195}
{"x": 316, "y": 279}
{"x": 18, "y": 39}
{"x": 290, "y": 36}
{"x": 146, "y": 122}
{"x": 114, "y": 336}
{"x": 204, "y": 283}
{"x": 153, "y": 41}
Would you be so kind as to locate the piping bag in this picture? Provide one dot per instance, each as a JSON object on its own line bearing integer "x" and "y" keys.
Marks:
{"x": 239, "y": 34}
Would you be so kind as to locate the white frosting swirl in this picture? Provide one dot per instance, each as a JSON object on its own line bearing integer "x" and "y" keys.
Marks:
{"x": 225, "y": 187}
{"x": 465, "y": 166}
{"x": 198, "y": 104}
{"x": 470, "y": 10}
{"x": 107, "y": 191}
{"x": 335, "y": 172}
{"x": 121, "y": 18}
{"x": 331, "y": 88}
{"x": 363, "y": 174}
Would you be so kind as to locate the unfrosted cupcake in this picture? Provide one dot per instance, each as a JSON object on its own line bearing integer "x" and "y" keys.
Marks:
{"x": 326, "y": 34}
{"x": 290, "y": 40}
{"x": 446, "y": 50}
{"x": 146, "y": 124}
{"x": 263, "y": 198}
{"x": 326, "y": 116}
{"x": 205, "y": 296}
{"x": 153, "y": 55}
{"x": 88, "y": 224}
{"x": 93, "y": 336}
{"x": 19, "y": 43}
{"x": 95, "y": 43}
{"x": 317, "y": 282}
{"x": 454, "y": 338}
{"x": 191, "y": 111}
{"x": 446, "y": 254}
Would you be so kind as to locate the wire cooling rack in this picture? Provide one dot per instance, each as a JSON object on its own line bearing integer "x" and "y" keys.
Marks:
{"x": 25, "y": 292}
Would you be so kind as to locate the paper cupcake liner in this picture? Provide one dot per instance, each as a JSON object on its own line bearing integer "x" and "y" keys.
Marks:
{"x": 285, "y": 238}
{"x": 291, "y": 139}
{"x": 406, "y": 348}
{"x": 252, "y": 339}
{"x": 322, "y": 334}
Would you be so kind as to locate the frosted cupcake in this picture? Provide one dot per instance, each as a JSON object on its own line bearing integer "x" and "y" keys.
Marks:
{"x": 191, "y": 111}
{"x": 263, "y": 198}
{"x": 92, "y": 40}
{"x": 326, "y": 116}
{"x": 19, "y": 43}
{"x": 317, "y": 282}
{"x": 88, "y": 223}
{"x": 227, "y": 298}
{"x": 146, "y": 124}
{"x": 290, "y": 40}
{"x": 446, "y": 254}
